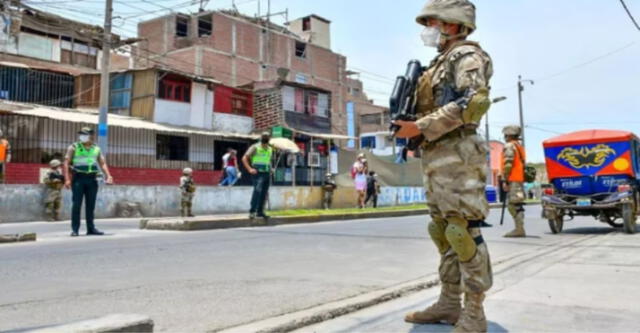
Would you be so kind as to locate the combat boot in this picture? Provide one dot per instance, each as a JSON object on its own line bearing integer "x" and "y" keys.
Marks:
{"x": 472, "y": 318}
{"x": 445, "y": 310}
{"x": 518, "y": 231}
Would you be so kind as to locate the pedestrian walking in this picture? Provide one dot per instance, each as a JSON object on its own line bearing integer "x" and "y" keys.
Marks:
{"x": 82, "y": 164}
{"x": 373, "y": 189}
{"x": 258, "y": 160}
{"x": 454, "y": 161}
{"x": 513, "y": 164}
{"x": 54, "y": 182}
{"x": 230, "y": 167}
{"x": 359, "y": 175}
{"x": 5, "y": 155}
{"x": 188, "y": 191}
{"x": 328, "y": 187}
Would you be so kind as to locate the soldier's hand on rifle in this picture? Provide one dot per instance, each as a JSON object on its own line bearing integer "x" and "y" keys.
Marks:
{"x": 408, "y": 129}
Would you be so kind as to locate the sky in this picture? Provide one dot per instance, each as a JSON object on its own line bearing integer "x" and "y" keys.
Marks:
{"x": 583, "y": 55}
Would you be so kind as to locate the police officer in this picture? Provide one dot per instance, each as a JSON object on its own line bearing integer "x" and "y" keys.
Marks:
{"x": 513, "y": 162}
{"x": 54, "y": 181}
{"x": 451, "y": 98}
{"x": 258, "y": 161}
{"x": 82, "y": 164}
{"x": 5, "y": 155}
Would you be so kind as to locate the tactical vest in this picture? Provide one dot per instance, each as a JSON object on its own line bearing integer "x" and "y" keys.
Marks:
{"x": 4, "y": 147}
{"x": 517, "y": 169}
{"x": 261, "y": 159}
{"x": 86, "y": 161}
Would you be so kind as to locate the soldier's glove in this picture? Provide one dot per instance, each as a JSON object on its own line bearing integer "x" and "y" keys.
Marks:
{"x": 474, "y": 105}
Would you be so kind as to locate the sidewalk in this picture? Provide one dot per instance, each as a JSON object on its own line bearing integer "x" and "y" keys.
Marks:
{"x": 589, "y": 286}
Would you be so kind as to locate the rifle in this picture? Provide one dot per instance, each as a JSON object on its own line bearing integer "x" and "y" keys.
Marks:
{"x": 55, "y": 176}
{"x": 504, "y": 195}
{"x": 189, "y": 186}
{"x": 402, "y": 104}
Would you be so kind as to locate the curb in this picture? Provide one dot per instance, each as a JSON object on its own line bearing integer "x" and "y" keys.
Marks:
{"x": 14, "y": 238}
{"x": 110, "y": 323}
{"x": 215, "y": 222}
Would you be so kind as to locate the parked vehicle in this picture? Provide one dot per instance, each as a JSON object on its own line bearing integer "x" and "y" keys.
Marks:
{"x": 593, "y": 173}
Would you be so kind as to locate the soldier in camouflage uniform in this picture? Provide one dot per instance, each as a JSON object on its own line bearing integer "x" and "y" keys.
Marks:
{"x": 188, "y": 188}
{"x": 54, "y": 181}
{"x": 513, "y": 163}
{"x": 451, "y": 98}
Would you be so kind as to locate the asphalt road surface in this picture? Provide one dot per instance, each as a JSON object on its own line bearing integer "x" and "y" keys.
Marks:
{"x": 209, "y": 280}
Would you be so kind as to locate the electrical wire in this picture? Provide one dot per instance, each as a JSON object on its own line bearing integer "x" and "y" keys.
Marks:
{"x": 624, "y": 5}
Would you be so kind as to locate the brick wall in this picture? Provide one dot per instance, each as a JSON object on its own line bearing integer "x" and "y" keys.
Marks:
{"x": 29, "y": 173}
{"x": 267, "y": 108}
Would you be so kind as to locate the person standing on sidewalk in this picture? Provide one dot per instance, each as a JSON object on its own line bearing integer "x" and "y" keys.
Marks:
{"x": 452, "y": 96}
{"x": 257, "y": 161}
{"x": 54, "y": 182}
{"x": 82, "y": 163}
{"x": 373, "y": 189}
{"x": 513, "y": 163}
{"x": 328, "y": 187}
{"x": 188, "y": 190}
{"x": 5, "y": 155}
{"x": 230, "y": 167}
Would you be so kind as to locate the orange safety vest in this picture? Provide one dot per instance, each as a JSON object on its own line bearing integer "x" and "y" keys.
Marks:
{"x": 4, "y": 147}
{"x": 517, "y": 171}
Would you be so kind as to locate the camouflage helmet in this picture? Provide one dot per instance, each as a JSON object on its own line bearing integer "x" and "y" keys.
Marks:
{"x": 187, "y": 171}
{"x": 55, "y": 163}
{"x": 513, "y": 130}
{"x": 451, "y": 11}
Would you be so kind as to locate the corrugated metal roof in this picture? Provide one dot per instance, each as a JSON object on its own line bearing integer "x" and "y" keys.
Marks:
{"x": 91, "y": 117}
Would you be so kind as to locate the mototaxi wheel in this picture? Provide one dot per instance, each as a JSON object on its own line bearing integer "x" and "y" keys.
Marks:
{"x": 629, "y": 218}
{"x": 556, "y": 224}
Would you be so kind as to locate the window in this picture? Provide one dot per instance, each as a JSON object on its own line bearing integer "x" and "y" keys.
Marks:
{"x": 302, "y": 78}
{"x": 371, "y": 119}
{"x": 182, "y": 26}
{"x": 240, "y": 105}
{"x": 120, "y": 92}
{"x": 368, "y": 142}
{"x": 305, "y": 101}
{"x": 204, "y": 26}
{"x": 172, "y": 148}
{"x": 306, "y": 24}
{"x": 301, "y": 50}
{"x": 174, "y": 88}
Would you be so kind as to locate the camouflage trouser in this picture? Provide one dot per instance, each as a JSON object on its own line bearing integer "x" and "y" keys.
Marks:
{"x": 186, "y": 203}
{"x": 327, "y": 200}
{"x": 515, "y": 201}
{"x": 455, "y": 178}
{"x": 53, "y": 203}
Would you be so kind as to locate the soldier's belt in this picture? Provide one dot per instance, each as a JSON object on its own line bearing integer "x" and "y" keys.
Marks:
{"x": 460, "y": 132}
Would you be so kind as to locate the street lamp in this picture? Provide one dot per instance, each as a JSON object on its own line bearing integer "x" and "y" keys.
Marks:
{"x": 486, "y": 129}
{"x": 520, "y": 89}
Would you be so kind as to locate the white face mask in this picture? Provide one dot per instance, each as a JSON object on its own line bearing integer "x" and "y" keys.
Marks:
{"x": 431, "y": 36}
{"x": 84, "y": 138}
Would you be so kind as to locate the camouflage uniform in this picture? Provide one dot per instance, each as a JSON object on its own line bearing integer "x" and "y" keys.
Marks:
{"x": 54, "y": 182}
{"x": 516, "y": 196}
{"x": 188, "y": 189}
{"x": 454, "y": 164}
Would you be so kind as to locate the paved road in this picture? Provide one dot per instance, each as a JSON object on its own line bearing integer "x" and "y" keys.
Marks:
{"x": 206, "y": 280}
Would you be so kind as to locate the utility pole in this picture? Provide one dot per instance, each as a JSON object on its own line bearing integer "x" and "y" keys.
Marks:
{"x": 520, "y": 89}
{"x": 488, "y": 138}
{"x": 103, "y": 127}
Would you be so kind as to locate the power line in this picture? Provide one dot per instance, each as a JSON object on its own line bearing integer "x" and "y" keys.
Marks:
{"x": 624, "y": 5}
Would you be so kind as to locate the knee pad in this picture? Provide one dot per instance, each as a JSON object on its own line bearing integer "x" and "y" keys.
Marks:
{"x": 437, "y": 233}
{"x": 461, "y": 241}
